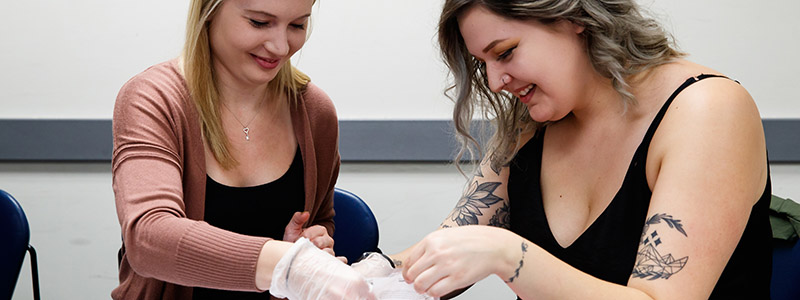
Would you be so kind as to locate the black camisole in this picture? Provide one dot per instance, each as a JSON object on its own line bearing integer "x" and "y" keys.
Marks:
{"x": 608, "y": 248}
{"x": 262, "y": 210}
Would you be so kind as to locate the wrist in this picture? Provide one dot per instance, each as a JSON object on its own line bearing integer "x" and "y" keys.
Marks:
{"x": 400, "y": 257}
{"x": 513, "y": 257}
{"x": 271, "y": 253}
{"x": 391, "y": 261}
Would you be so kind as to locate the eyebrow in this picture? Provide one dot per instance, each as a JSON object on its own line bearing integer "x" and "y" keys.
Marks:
{"x": 492, "y": 44}
{"x": 273, "y": 16}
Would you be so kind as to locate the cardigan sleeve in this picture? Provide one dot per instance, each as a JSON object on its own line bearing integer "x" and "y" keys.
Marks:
{"x": 148, "y": 174}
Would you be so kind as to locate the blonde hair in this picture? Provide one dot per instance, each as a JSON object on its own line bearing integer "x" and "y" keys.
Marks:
{"x": 202, "y": 84}
{"x": 620, "y": 42}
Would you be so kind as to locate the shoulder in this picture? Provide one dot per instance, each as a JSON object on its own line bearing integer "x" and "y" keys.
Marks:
{"x": 165, "y": 75}
{"x": 713, "y": 124}
{"x": 319, "y": 106}
{"x": 154, "y": 101}
{"x": 159, "y": 85}
{"x": 317, "y": 101}
{"x": 717, "y": 103}
{"x": 714, "y": 96}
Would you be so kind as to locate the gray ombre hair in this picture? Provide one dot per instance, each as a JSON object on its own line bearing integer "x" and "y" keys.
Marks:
{"x": 620, "y": 42}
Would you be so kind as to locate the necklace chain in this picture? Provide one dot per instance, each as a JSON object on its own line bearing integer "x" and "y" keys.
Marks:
{"x": 245, "y": 126}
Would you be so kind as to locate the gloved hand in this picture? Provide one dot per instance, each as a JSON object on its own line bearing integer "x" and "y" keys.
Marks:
{"x": 373, "y": 265}
{"x": 307, "y": 273}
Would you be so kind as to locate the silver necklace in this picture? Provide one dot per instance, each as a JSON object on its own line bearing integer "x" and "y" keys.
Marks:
{"x": 245, "y": 126}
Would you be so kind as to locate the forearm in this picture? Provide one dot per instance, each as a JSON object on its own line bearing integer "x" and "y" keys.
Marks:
{"x": 161, "y": 242}
{"x": 539, "y": 275}
{"x": 271, "y": 253}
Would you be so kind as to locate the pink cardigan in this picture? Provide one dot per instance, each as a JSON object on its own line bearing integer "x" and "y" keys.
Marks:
{"x": 159, "y": 175}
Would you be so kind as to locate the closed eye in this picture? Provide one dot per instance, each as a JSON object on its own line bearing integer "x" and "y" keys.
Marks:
{"x": 258, "y": 24}
{"x": 506, "y": 53}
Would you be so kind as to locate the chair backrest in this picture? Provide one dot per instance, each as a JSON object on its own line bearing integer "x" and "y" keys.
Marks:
{"x": 785, "y": 282}
{"x": 356, "y": 226}
{"x": 14, "y": 236}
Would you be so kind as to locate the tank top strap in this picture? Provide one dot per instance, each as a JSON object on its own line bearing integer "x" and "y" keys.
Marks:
{"x": 657, "y": 120}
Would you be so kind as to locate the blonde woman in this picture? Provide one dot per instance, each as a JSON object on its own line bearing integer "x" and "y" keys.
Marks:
{"x": 224, "y": 165}
{"x": 618, "y": 170}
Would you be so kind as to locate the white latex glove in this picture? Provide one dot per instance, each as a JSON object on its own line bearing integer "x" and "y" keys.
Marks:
{"x": 374, "y": 265}
{"x": 307, "y": 273}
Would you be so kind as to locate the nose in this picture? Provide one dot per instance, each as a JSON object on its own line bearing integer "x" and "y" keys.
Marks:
{"x": 277, "y": 43}
{"x": 496, "y": 78}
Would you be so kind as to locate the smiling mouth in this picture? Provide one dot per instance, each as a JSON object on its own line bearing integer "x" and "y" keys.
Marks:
{"x": 526, "y": 90}
{"x": 266, "y": 63}
{"x": 524, "y": 95}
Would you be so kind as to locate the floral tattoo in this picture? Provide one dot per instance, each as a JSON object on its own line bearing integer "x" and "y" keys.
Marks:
{"x": 479, "y": 196}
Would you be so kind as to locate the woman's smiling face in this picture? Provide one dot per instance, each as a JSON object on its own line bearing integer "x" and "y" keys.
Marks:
{"x": 545, "y": 65}
{"x": 252, "y": 39}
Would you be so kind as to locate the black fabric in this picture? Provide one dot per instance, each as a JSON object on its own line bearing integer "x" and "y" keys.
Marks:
{"x": 608, "y": 248}
{"x": 262, "y": 210}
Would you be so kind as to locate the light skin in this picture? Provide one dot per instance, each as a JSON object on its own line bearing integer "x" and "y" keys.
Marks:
{"x": 250, "y": 41}
{"x": 706, "y": 167}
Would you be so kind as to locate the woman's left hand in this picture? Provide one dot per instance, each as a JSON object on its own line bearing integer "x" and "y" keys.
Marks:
{"x": 317, "y": 234}
{"x": 453, "y": 258}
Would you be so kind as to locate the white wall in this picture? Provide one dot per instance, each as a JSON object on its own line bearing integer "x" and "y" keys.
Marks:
{"x": 67, "y": 59}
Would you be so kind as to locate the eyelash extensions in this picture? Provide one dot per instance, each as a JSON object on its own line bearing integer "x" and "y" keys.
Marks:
{"x": 506, "y": 53}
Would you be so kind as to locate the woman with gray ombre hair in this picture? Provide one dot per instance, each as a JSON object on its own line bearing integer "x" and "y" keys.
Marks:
{"x": 617, "y": 169}
{"x": 224, "y": 165}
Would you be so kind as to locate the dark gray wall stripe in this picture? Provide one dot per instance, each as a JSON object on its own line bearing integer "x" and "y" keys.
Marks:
{"x": 783, "y": 140}
{"x": 55, "y": 140}
{"x": 361, "y": 141}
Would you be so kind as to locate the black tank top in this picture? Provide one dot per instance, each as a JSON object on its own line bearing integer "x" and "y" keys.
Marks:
{"x": 262, "y": 210}
{"x": 608, "y": 248}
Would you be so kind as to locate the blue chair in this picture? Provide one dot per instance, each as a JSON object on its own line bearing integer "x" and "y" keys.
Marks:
{"x": 785, "y": 282}
{"x": 15, "y": 237}
{"x": 356, "y": 227}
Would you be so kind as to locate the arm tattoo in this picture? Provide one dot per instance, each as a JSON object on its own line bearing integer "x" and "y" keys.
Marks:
{"x": 494, "y": 163}
{"x": 650, "y": 264}
{"x": 478, "y": 197}
{"x": 479, "y": 172}
{"x": 496, "y": 168}
{"x": 521, "y": 261}
{"x": 501, "y": 217}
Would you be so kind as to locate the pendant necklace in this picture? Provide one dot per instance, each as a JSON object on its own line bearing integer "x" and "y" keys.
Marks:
{"x": 245, "y": 126}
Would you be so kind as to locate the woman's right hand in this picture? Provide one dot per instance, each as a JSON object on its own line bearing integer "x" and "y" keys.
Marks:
{"x": 317, "y": 234}
{"x": 453, "y": 258}
{"x": 306, "y": 272}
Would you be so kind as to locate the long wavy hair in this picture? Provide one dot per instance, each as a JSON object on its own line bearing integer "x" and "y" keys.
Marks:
{"x": 202, "y": 82}
{"x": 620, "y": 42}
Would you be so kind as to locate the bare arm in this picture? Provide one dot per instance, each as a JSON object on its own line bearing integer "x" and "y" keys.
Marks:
{"x": 484, "y": 201}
